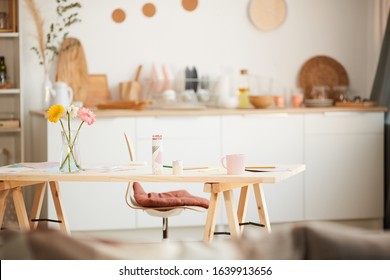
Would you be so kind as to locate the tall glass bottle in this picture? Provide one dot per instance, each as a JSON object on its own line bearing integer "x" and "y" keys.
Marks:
{"x": 243, "y": 90}
{"x": 3, "y": 70}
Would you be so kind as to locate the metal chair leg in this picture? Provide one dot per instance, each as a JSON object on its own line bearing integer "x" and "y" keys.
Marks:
{"x": 165, "y": 228}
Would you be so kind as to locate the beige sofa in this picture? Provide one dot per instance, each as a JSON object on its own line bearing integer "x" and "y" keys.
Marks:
{"x": 318, "y": 241}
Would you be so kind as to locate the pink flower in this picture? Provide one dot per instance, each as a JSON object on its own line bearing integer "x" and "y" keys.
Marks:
{"x": 86, "y": 115}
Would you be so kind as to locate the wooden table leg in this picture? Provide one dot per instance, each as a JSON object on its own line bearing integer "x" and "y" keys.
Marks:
{"x": 242, "y": 206}
{"x": 37, "y": 204}
{"x": 262, "y": 206}
{"x": 209, "y": 228}
{"x": 20, "y": 209}
{"x": 231, "y": 214}
{"x": 55, "y": 192}
{"x": 3, "y": 204}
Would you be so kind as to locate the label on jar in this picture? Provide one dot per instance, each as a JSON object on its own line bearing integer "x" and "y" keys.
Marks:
{"x": 157, "y": 154}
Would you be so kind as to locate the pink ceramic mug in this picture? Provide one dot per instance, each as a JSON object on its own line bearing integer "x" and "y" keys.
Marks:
{"x": 297, "y": 100}
{"x": 279, "y": 101}
{"x": 234, "y": 164}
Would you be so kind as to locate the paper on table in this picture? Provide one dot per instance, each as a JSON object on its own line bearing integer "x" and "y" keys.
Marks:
{"x": 39, "y": 165}
{"x": 211, "y": 169}
{"x": 28, "y": 166}
{"x": 108, "y": 168}
{"x": 192, "y": 168}
{"x": 8, "y": 170}
{"x": 266, "y": 169}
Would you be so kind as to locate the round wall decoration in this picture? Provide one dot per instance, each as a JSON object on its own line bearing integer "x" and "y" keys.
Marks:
{"x": 118, "y": 15}
{"x": 267, "y": 15}
{"x": 189, "y": 5}
{"x": 149, "y": 10}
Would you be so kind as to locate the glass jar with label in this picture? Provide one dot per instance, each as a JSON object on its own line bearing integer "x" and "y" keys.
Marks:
{"x": 3, "y": 20}
{"x": 320, "y": 92}
{"x": 3, "y": 71}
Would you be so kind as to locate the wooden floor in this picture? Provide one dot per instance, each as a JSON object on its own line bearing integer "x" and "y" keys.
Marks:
{"x": 149, "y": 235}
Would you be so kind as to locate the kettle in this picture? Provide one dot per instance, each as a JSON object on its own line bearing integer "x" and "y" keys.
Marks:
{"x": 61, "y": 94}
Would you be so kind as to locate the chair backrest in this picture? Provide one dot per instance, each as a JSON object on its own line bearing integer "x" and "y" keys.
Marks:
{"x": 130, "y": 147}
{"x": 129, "y": 192}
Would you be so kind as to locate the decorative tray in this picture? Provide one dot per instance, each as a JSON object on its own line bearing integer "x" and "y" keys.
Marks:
{"x": 120, "y": 104}
{"x": 322, "y": 71}
{"x": 355, "y": 104}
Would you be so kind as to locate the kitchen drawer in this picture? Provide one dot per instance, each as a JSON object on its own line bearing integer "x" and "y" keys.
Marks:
{"x": 101, "y": 143}
{"x": 344, "y": 122}
{"x": 264, "y": 139}
{"x": 177, "y": 127}
{"x": 195, "y": 140}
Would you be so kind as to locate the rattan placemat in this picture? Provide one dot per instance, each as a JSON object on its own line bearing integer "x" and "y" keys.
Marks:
{"x": 322, "y": 70}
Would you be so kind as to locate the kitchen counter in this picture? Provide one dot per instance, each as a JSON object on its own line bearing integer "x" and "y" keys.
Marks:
{"x": 216, "y": 111}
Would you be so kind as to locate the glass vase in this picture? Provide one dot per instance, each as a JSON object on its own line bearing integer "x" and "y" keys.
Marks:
{"x": 70, "y": 155}
{"x": 47, "y": 87}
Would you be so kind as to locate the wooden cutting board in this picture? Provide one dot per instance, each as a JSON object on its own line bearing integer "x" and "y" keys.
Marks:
{"x": 91, "y": 89}
{"x": 72, "y": 67}
{"x": 124, "y": 104}
{"x": 96, "y": 90}
{"x": 355, "y": 104}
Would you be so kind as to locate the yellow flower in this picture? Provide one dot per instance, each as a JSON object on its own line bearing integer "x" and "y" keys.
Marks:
{"x": 55, "y": 112}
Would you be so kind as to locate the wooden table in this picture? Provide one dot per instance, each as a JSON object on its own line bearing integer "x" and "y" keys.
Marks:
{"x": 216, "y": 182}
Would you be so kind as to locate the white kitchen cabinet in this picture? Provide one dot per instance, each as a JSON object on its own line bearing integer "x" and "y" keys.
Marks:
{"x": 193, "y": 139}
{"x": 344, "y": 155}
{"x": 269, "y": 139}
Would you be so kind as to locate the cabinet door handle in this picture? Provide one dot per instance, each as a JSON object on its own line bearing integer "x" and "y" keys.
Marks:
{"x": 169, "y": 117}
{"x": 270, "y": 115}
{"x": 339, "y": 114}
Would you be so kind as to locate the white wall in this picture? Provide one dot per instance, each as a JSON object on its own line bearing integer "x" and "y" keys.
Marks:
{"x": 218, "y": 36}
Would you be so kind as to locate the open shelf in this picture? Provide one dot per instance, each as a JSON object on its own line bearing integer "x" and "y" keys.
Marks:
{"x": 9, "y": 34}
{"x": 8, "y": 130}
{"x": 10, "y": 91}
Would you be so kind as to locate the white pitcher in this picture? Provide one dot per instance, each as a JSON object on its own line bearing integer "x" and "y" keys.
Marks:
{"x": 61, "y": 94}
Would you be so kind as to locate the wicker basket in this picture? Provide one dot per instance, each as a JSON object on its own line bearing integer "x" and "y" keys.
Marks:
{"x": 322, "y": 71}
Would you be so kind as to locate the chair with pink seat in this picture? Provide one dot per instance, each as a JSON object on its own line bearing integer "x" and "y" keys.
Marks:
{"x": 165, "y": 204}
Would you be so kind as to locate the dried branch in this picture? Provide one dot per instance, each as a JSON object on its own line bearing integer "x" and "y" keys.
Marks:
{"x": 49, "y": 44}
{"x": 40, "y": 51}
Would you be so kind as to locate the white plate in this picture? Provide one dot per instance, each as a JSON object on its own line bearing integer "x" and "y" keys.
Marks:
{"x": 319, "y": 105}
{"x": 319, "y": 101}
